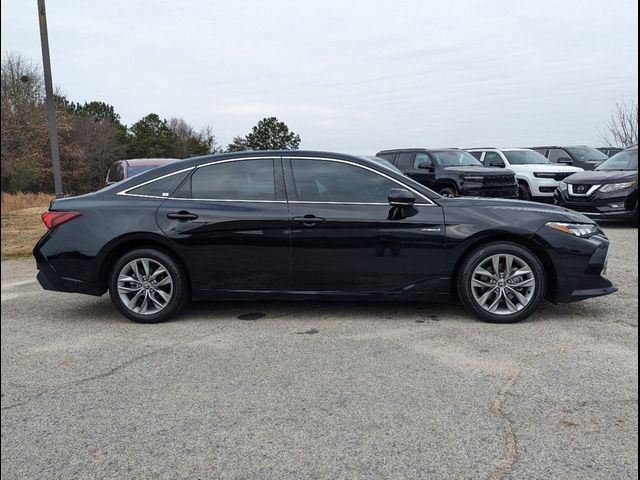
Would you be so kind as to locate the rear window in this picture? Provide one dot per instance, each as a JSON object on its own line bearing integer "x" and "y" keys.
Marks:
{"x": 163, "y": 187}
{"x": 131, "y": 171}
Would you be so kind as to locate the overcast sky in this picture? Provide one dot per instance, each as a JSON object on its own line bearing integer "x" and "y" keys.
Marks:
{"x": 349, "y": 76}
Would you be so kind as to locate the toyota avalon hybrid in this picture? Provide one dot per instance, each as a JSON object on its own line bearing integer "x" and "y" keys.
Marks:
{"x": 312, "y": 225}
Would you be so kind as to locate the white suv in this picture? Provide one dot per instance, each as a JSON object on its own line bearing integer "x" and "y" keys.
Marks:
{"x": 537, "y": 177}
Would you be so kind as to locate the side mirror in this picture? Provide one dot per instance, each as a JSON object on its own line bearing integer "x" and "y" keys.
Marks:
{"x": 564, "y": 160}
{"x": 399, "y": 197}
{"x": 496, "y": 163}
{"x": 425, "y": 166}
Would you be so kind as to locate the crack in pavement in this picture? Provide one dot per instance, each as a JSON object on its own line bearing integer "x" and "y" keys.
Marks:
{"x": 80, "y": 381}
{"x": 505, "y": 465}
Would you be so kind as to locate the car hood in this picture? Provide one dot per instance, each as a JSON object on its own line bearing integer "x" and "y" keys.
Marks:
{"x": 602, "y": 177}
{"x": 498, "y": 207}
{"x": 479, "y": 170}
{"x": 546, "y": 167}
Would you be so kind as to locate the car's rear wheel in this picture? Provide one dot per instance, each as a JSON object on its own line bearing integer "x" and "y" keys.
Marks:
{"x": 501, "y": 282}
{"x": 147, "y": 286}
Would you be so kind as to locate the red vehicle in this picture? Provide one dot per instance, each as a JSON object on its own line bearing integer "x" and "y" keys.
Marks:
{"x": 128, "y": 168}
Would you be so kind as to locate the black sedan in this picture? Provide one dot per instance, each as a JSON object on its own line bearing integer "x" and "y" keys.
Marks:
{"x": 311, "y": 225}
{"x": 608, "y": 192}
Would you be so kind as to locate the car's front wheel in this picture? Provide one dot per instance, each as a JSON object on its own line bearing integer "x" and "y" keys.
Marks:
{"x": 501, "y": 282}
{"x": 147, "y": 286}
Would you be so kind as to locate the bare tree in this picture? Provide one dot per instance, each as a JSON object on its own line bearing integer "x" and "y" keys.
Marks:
{"x": 621, "y": 130}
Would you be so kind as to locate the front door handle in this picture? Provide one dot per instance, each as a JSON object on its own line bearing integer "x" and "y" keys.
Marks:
{"x": 182, "y": 215}
{"x": 308, "y": 220}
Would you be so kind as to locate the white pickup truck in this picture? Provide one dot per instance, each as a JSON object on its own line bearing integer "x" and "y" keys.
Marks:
{"x": 537, "y": 177}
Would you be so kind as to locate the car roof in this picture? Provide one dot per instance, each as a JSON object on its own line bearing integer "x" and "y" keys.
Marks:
{"x": 519, "y": 149}
{"x": 144, "y": 162}
{"x": 559, "y": 146}
{"x": 400, "y": 150}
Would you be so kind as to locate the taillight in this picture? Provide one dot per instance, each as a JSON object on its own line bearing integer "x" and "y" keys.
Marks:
{"x": 55, "y": 219}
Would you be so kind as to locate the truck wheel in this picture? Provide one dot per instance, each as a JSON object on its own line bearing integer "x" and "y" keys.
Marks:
{"x": 448, "y": 192}
{"x": 523, "y": 192}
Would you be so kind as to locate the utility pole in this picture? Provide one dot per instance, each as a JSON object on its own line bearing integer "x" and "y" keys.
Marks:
{"x": 51, "y": 107}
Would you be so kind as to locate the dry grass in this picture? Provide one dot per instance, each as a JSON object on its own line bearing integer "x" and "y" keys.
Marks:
{"x": 22, "y": 226}
{"x": 19, "y": 201}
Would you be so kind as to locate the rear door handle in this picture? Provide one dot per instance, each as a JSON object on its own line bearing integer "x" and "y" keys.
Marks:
{"x": 308, "y": 220}
{"x": 182, "y": 215}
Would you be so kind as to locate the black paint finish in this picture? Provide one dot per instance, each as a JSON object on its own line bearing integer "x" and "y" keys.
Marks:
{"x": 287, "y": 248}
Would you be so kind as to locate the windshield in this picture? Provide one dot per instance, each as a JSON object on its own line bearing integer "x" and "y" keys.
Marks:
{"x": 585, "y": 154}
{"x": 455, "y": 158}
{"x": 136, "y": 170}
{"x": 525, "y": 157}
{"x": 386, "y": 164}
{"x": 625, "y": 160}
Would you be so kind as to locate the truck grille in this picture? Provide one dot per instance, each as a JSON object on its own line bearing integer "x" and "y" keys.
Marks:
{"x": 557, "y": 176}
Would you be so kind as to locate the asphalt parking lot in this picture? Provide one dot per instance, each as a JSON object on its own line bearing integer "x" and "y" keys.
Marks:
{"x": 319, "y": 390}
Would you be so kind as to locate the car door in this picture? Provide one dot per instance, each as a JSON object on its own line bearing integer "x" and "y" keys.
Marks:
{"x": 493, "y": 159}
{"x": 421, "y": 169}
{"x": 345, "y": 237}
{"x": 231, "y": 221}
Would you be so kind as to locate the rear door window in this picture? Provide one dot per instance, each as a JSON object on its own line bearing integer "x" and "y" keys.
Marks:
{"x": 404, "y": 161}
{"x": 235, "y": 180}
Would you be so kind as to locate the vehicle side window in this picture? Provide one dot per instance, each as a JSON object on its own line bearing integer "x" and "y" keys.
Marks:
{"x": 421, "y": 158}
{"x": 556, "y": 153}
{"x": 403, "y": 161}
{"x": 162, "y": 187}
{"x": 328, "y": 181}
{"x": 389, "y": 157}
{"x": 478, "y": 155}
{"x": 493, "y": 157}
{"x": 236, "y": 180}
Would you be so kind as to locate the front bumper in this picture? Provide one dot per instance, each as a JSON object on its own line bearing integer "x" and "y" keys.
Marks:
{"x": 579, "y": 265}
{"x": 600, "y": 206}
{"x": 477, "y": 189}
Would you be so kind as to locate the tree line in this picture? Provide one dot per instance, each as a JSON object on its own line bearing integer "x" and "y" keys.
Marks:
{"x": 92, "y": 136}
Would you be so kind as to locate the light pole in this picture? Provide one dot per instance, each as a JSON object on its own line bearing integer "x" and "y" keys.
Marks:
{"x": 51, "y": 107}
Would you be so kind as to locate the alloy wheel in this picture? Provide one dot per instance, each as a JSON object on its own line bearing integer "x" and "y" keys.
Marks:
{"x": 503, "y": 284}
{"x": 145, "y": 286}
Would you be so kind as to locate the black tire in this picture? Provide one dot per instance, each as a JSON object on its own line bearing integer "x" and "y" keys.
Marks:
{"x": 179, "y": 292}
{"x": 473, "y": 260}
{"x": 523, "y": 192}
{"x": 448, "y": 192}
{"x": 635, "y": 217}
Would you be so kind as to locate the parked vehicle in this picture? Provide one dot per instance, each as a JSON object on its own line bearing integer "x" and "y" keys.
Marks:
{"x": 311, "y": 225}
{"x": 537, "y": 177}
{"x": 610, "y": 151}
{"x": 581, "y": 156}
{"x": 609, "y": 192}
{"x": 453, "y": 172}
{"x": 123, "y": 169}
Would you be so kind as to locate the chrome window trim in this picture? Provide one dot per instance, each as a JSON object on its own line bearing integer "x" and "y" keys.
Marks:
{"x": 430, "y": 203}
{"x": 126, "y": 191}
{"x": 589, "y": 192}
{"x": 428, "y": 200}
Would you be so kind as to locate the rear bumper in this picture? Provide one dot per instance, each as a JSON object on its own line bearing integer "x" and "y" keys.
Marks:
{"x": 49, "y": 279}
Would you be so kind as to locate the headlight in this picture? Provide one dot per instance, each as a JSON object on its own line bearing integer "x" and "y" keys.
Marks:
{"x": 562, "y": 186}
{"x": 577, "y": 229}
{"x": 612, "y": 187}
{"x": 473, "y": 178}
